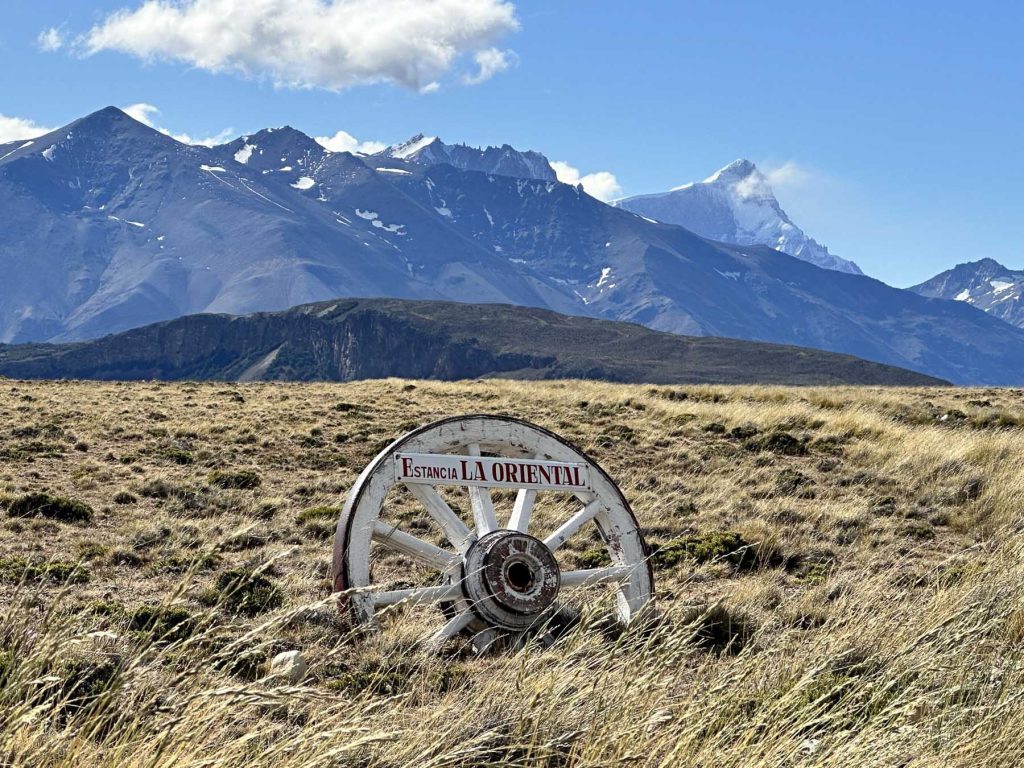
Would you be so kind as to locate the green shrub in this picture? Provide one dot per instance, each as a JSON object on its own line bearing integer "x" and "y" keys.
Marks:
{"x": 718, "y": 546}
{"x": 84, "y": 680}
{"x": 167, "y": 623}
{"x": 15, "y": 569}
{"x": 91, "y": 550}
{"x": 597, "y": 557}
{"x": 241, "y": 591}
{"x": 51, "y": 507}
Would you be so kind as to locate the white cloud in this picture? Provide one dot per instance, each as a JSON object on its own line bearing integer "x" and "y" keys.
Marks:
{"x": 603, "y": 185}
{"x": 15, "y": 128}
{"x": 489, "y": 63}
{"x": 146, "y": 114}
{"x": 142, "y": 112}
{"x": 332, "y": 44}
{"x": 343, "y": 141}
{"x": 50, "y": 39}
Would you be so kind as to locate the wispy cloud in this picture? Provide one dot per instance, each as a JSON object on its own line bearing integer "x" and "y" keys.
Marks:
{"x": 331, "y": 44}
{"x": 343, "y": 141}
{"x": 790, "y": 175}
{"x": 15, "y": 128}
{"x": 601, "y": 184}
{"x": 489, "y": 63}
{"x": 51, "y": 39}
{"x": 147, "y": 113}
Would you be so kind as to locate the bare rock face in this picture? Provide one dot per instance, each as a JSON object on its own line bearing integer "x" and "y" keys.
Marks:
{"x": 290, "y": 666}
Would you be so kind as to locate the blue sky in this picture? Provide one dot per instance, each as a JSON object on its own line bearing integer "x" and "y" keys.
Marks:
{"x": 892, "y": 131}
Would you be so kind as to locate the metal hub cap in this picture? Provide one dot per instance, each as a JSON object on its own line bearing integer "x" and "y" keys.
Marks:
{"x": 511, "y": 578}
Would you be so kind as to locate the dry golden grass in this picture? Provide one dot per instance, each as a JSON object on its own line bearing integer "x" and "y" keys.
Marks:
{"x": 882, "y": 623}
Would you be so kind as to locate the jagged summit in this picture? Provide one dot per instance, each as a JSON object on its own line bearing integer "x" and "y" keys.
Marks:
{"x": 274, "y": 149}
{"x": 501, "y": 161}
{"x": 736, "y": 204}
{"x": 408, "y": 148}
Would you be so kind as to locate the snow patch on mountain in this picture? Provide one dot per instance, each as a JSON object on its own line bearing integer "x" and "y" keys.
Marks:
{"x": 242, "y": 156}
{"x": 411, "y": 147}
{"x": 736, "y": 204}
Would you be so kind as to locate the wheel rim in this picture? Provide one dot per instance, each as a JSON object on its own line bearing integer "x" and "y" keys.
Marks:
{"x": 495, "y": 579}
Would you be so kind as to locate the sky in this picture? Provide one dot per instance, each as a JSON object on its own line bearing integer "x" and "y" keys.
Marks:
{"x": 891, "y": 131}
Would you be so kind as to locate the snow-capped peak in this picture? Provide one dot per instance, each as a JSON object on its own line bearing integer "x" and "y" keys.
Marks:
{"x": 736, "y": 204}
{"x": 410, "y": 147}
{"x": 984, "y": 284}
{"x": 736, "y": 170}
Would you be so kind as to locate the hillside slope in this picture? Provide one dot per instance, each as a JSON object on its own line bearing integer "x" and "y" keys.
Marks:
{"x": 351, "y": 339}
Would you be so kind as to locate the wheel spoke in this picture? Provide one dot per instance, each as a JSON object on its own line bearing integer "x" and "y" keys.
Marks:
{"x": 455, "y": 625}
{"x": 522, "y": 509}
{"x": 589, "y": 576}
{"x": 422, "y": 551}
{"x": 454, "y": 529}
{"x": 480, "y": 499}
{"x": 573, "y": 524}
{"x": 417, "y": 595}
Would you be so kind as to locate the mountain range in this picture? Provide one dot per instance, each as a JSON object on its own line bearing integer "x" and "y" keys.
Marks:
{"x": 107, "y": 225}
{"x": 352, "y": 339}
{"x": 985, "y": 284}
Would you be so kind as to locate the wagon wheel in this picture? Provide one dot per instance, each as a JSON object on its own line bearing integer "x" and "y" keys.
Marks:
{"x": 493, "y": 582}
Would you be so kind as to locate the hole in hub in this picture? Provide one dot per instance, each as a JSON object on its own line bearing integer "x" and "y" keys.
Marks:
{"x": 519, "y": 576}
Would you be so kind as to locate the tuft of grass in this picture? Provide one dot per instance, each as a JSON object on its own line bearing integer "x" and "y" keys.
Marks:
{"x": 243, "y": 479}
{"x": 719, "y": 629}
{"x": 323, "y": 513}
{"x": 777, "y": 442}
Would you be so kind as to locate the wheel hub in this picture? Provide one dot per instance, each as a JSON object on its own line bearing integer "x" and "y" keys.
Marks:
{"x": 510, "y": 579}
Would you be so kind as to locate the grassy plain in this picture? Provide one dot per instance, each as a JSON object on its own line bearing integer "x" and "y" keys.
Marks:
{"x": 840, "y": 576}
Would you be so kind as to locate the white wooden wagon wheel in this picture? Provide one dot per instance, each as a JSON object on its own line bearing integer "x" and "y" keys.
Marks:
{"x": 494, "y": 580}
